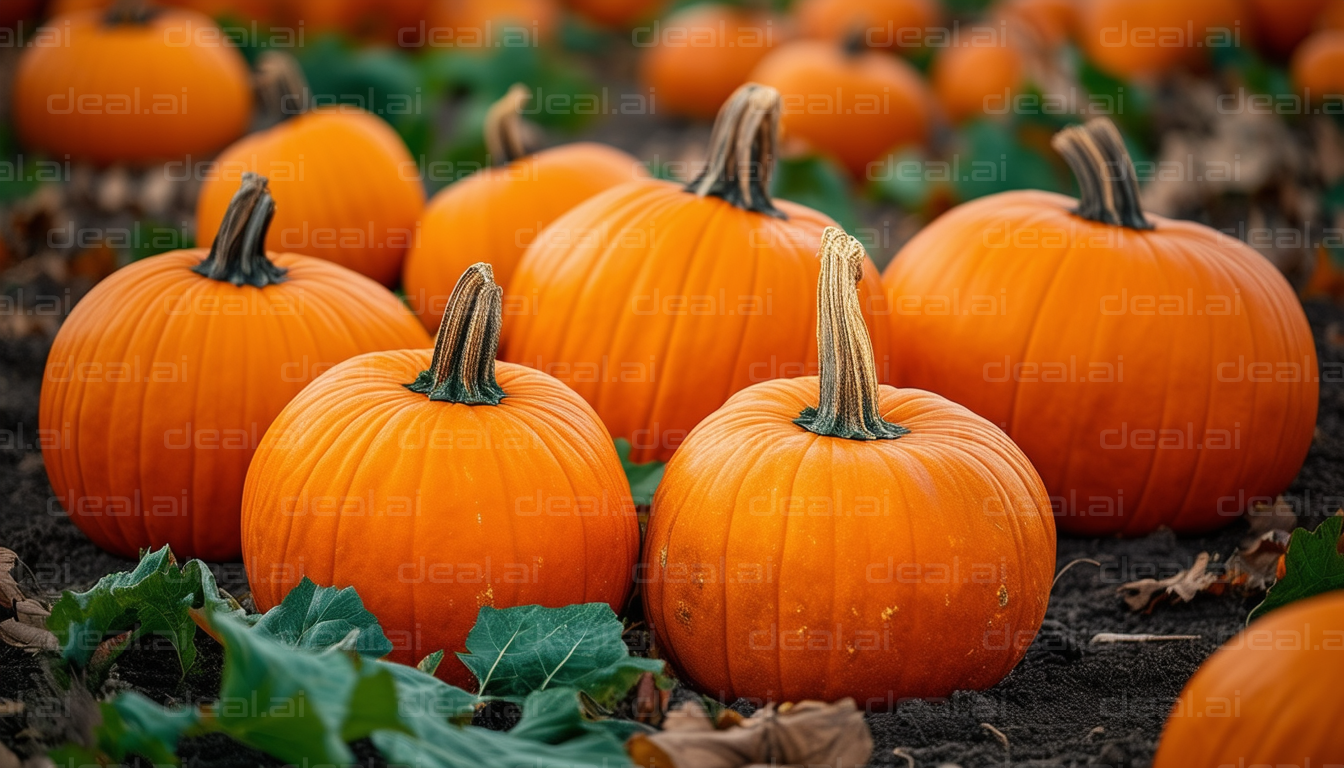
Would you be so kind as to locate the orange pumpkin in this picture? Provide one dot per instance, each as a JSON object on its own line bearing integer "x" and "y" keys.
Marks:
{"x": 884, "y": 480}
{"x": 1267, "y": 697}
{"x": 616, "y": 13}
{"x": 697, "y": 57}
{"x": 1052, "y": 21}
{"x": 1144, "y": 38}
{"x": 1318, "y": 67}
{"x": 1279, "y": 25}
{"x": 876, "y": 23}
{"x": 511, "y": 490}
{"x": 347, "y": 189}
{"x": 852, "y": 104}
{"x": 163, "y": 379}
{"x": 133, "y": 84}
{"x": 494, "y": 214}
{"x": 480, "y": 24}
{"x": 656, "y": 301}
{"x": 1332, "y": 16}
{"x": 1157, "y": 372}
{"x": 970, "y": 79}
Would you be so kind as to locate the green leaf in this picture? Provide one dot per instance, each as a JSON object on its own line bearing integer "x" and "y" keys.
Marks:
{"x": 643, "y": 478}
{"x": 430, "y": 664}
{"x": 132, "y": 724}
{"x": 817, "y": 183}
{"x": 1312, "y": 565}
{"x": 319, "y": 618}
{"x": 516, "y": 651}
{"x": 557, "y": 715}
{"x": 992, "y": 159}
{"x": 299, "y": 705}
{"x": 452, "y": 746}
{"x": 424, "y": 701}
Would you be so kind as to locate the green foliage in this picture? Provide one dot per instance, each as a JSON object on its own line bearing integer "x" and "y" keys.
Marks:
{"x": 643, "y": 478}
{"x": 1312, "y": 565}
{"x": 993, "y": 158}
{"x": 318, "y": 618}
{"x": 516, "y": 651}
{"x": 817, "y": 183}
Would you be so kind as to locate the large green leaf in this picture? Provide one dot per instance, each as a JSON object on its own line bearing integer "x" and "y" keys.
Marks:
{"x": 451, "y": 746}
{"x": 515, "y": 651}
{"x": 643, "y": 478}
{"x": 1312, "y": 565}
{"x": 321, "y": 617}
{"x": 424, "y": 701}
{"x": 556, "y": 715}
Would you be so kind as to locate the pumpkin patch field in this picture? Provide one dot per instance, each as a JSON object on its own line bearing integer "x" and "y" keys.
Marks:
{"x": 671, "y": 383}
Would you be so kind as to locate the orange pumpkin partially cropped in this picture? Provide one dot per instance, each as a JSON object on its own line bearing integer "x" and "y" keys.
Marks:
{"x": 1318, "y": 68}
{"x": 695, "y": 58}
{"x": 1267, "y": 697}
{"x": 972, "y": 79}
{"x": 437, "y": 483}
{"x": 347, "y": 189}
{"x": 134, "y": 84}
{"x": 876, "y": 23}
{"x": 494, "y": 214}
{"x": 657, "y": 301}
{"x": 163, "y": 379}
{"x": 1144, "y": 38}
{"x": 1157, "y": 372}
{"x": 854, "y": 105}
{"x": 821, "y": 538}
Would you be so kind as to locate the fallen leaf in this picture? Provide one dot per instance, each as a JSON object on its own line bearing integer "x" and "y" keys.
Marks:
{"x": 1312, "y": 564}
{"x": 807, "y": 733}
{"x": 1180, "y": 588}
{"x": 23, "y": 620}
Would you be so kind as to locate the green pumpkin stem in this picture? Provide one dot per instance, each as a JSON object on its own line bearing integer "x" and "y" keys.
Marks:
{"x": 742, "y": 151}
{"x": 504, "y": 126}
{"x": 1108, "y": 185}
{"x": 848, "y": 406}
{"x": 238, "y": 254}
{"x": 281, "y": 87}
{"x": 463, "y": 367}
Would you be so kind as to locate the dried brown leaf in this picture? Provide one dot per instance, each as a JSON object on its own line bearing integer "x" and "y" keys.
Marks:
{"x": 23, "y": 620}
{"x": 1182, "y": 587}
{"x": 650, "y": 700}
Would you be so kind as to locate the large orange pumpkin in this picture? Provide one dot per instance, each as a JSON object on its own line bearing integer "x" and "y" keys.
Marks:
{"x": 697, "y": 57}
{"x": 852, "y": 104}
{"x": 1141, "y": 38}
{"x": 1157, "y": 372}
{"x": 346, "y": 188}
{"x": 1318, "y": 68}
{"x": 877, "y": 23}
{"x": 866, "y": 541}
{"x": 163, "y": 379}
{"x": 656, "y": 301}
{"x": 133, "y": 84}
{"x": 439, "y": 483}
{"x": 973, "y": 78}
{"x": 494, "y": 214}
{"x": 1268, "y": 697}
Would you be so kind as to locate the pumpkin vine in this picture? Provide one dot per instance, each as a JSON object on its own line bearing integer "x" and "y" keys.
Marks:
{"x": 848, "y": 406}
{"x": 1107, "y": 182}
{"x": 742, "y": 151}
{"x": 463, "y": 367}
{"x": 504, "y": 128}
{"x": 238, "y": 254}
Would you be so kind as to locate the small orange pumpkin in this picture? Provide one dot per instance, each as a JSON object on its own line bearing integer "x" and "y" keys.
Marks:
{"x": 831, "y": 500}
{"x": 969, "y": 79}
{"x": 1054, "y": 22}
{"x": 619, "y": 14}
{"x": 494, "y": 214}
{"x": 346, "y": 188}
{"x": 698, "y": 56}
{"x": 437, "y": 483}
{"x": 133, "y": 84}
{"x": 480, "y": 24}
{"x": 876, "y": 23}
{"x": 1157, "y": 372}
{"x": 1267, "y": 697}
{"x": 163, "y": 379}
{"x": 852, "y": 104}
{"x": 1279, "y": 25}
{"x": 1145, "y": 38}
{"x": 1318, "y": 66}
{"x": 657, "y": 301}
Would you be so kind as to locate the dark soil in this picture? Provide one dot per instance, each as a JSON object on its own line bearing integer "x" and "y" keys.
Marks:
{"x": 1070, "y": 702}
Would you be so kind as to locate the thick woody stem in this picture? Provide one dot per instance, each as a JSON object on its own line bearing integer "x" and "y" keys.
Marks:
{"x": 742, "y": 151}
{"x": 504, "y": 126}
{"x": 281, "y": 86}
{"x": 463, "y": 367}
{"x": 238, "y": 254}
{"x": 1108, "y": 185}
{"x": 848, "y": 405}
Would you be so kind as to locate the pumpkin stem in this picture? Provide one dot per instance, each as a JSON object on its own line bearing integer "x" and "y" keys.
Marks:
{"x": 129, "y": 12}
{"x": 281, "y": 86}
{"x": 463, "y": 367}
{"x": 504, "y": 127}
{"x": 1108, "y": 185}
{"x": 238, "y": 254}
{"x": 742, "y": 151}
{"x": 848, "y": 405}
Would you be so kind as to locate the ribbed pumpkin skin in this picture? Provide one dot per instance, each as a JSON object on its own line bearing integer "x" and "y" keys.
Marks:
{"x": 777, "y": 560}
{"x": 854, "y": 108}
{"x": 493, "y": 215}
{"x": 125, "y": 93}
{"x": 656, "y": 305}
{"x": 1088, "y": 341}
{"x": 161, "y": 383}
{"x": 1267, "y": 697}
{"x": 345, "y": 186}
{"x": 516, "y": 504}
